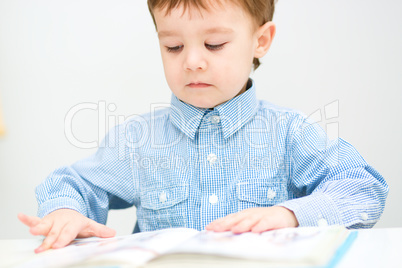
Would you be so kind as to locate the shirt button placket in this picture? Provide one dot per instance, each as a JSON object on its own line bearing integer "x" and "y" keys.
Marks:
{"x": 212, "y": 158}
{"x": 213, "y": 199}
{"x": 210, "y": 198}
{"x": 215, "y": 119}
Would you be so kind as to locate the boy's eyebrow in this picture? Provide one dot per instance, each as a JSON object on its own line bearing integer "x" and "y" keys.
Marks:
{"x": 219, "y": 30}
{"x": 208, "y": 31}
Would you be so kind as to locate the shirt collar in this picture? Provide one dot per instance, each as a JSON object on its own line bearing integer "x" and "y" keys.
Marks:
{"x": 234, "y": 113}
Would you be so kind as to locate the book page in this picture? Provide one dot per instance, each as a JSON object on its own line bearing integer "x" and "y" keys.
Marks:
{"x": 135, "y": 249}
{"x": 316, "y": 245}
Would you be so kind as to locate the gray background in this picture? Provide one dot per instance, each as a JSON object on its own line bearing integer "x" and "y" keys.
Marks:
{"x": 57, "y": 54}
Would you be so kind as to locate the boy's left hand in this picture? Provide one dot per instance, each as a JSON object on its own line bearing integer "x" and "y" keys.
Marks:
{"x": 256, "y": 220}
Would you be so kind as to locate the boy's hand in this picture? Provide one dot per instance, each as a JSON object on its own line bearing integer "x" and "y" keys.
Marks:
{"x": 62, "y": 226}
{"x": 256, "y": 220}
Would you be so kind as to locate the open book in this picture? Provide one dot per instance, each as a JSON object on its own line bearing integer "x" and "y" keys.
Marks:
{"x": 182, "y": 247}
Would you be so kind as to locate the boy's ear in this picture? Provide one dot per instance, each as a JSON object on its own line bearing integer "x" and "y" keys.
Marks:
{"x": 265, "y": 35}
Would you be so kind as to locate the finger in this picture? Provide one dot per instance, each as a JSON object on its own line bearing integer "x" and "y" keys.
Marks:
{"x": 28, "y": 220}
{"x": 223, "y": 224}
{"x": 51, "y": 237}
{"x": 214, "y": 224}
{"x": 96, "y": 229}
{"x": 263, "y": 225}
{"x": 42, "y": 228}
{"x": 246, "y": 224}
{"x": 226, "y": 223}
{"x": 68, "y": 233}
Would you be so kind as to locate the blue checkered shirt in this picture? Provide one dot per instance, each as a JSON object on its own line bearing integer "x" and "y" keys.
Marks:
{"x": 183, "y": 166}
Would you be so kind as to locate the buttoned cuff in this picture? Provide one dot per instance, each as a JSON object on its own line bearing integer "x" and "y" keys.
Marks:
{"x": 316, "y": 209}
{"x": 63, "y": 202}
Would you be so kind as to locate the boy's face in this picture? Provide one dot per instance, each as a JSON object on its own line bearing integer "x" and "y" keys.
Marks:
{"x": 207, "y": 55}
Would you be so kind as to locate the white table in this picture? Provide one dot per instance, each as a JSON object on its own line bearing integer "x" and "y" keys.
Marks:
{"x": 373, "y": 248}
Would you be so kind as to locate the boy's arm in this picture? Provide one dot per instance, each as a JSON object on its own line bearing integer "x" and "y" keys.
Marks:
{"x": 333, "y": 183}
{"x": 74, "y": 201}
{"x": 330, "y": 181}
{"x": 93, "y": 185}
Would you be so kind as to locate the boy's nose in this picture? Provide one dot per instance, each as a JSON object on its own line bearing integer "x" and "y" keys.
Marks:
{"x": 195, "y": 60}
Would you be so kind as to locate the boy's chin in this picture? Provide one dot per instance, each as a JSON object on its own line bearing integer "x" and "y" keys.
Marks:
{"x": 203, "y": 105}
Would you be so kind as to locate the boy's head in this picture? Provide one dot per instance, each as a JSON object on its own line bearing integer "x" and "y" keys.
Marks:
{"x": 261, "y": 11}
{"x": 209, "y": 47}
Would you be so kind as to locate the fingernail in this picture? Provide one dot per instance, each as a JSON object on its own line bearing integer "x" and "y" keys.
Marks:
{"x": 39, "y": 249}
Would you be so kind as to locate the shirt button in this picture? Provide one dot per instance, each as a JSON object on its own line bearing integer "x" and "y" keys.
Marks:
{"x": 212, "y": 158}
{"x": 364, "y": 216}
{"x": 213, "y": 199}
{"x": 271, "y": 194}
{"x": 162, "y": 197}
{"x": 215, "y": 119}
{"x": 322, "y": 223}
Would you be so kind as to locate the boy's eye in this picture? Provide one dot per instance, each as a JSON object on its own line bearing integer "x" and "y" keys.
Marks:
{"x": 214, "y": 47}
{"x": 175, "y": 49}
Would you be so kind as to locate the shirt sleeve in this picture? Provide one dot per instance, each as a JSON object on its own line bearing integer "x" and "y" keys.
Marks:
{"x": 332, "y": 183}
{"x": 93, "y": 185}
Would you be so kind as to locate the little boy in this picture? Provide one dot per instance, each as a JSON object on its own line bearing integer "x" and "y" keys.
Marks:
{"x": 217, "y": 159}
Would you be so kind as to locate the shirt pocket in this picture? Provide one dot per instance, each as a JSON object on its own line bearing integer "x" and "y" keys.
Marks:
{"x": 163, "y": 208}
{"x": 259, "y": 193}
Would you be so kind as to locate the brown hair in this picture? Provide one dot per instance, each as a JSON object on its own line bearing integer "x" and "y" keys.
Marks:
{"x": 261, "y": 10}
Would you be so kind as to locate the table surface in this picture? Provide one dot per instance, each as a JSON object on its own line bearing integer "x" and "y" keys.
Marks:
{"x": 378, "y": 247}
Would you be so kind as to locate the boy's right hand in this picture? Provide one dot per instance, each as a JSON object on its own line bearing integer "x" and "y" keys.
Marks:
{"x": 62, "y": 226}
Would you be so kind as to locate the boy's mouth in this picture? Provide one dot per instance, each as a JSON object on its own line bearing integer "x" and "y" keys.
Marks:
{"x": 198, "y": 85}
